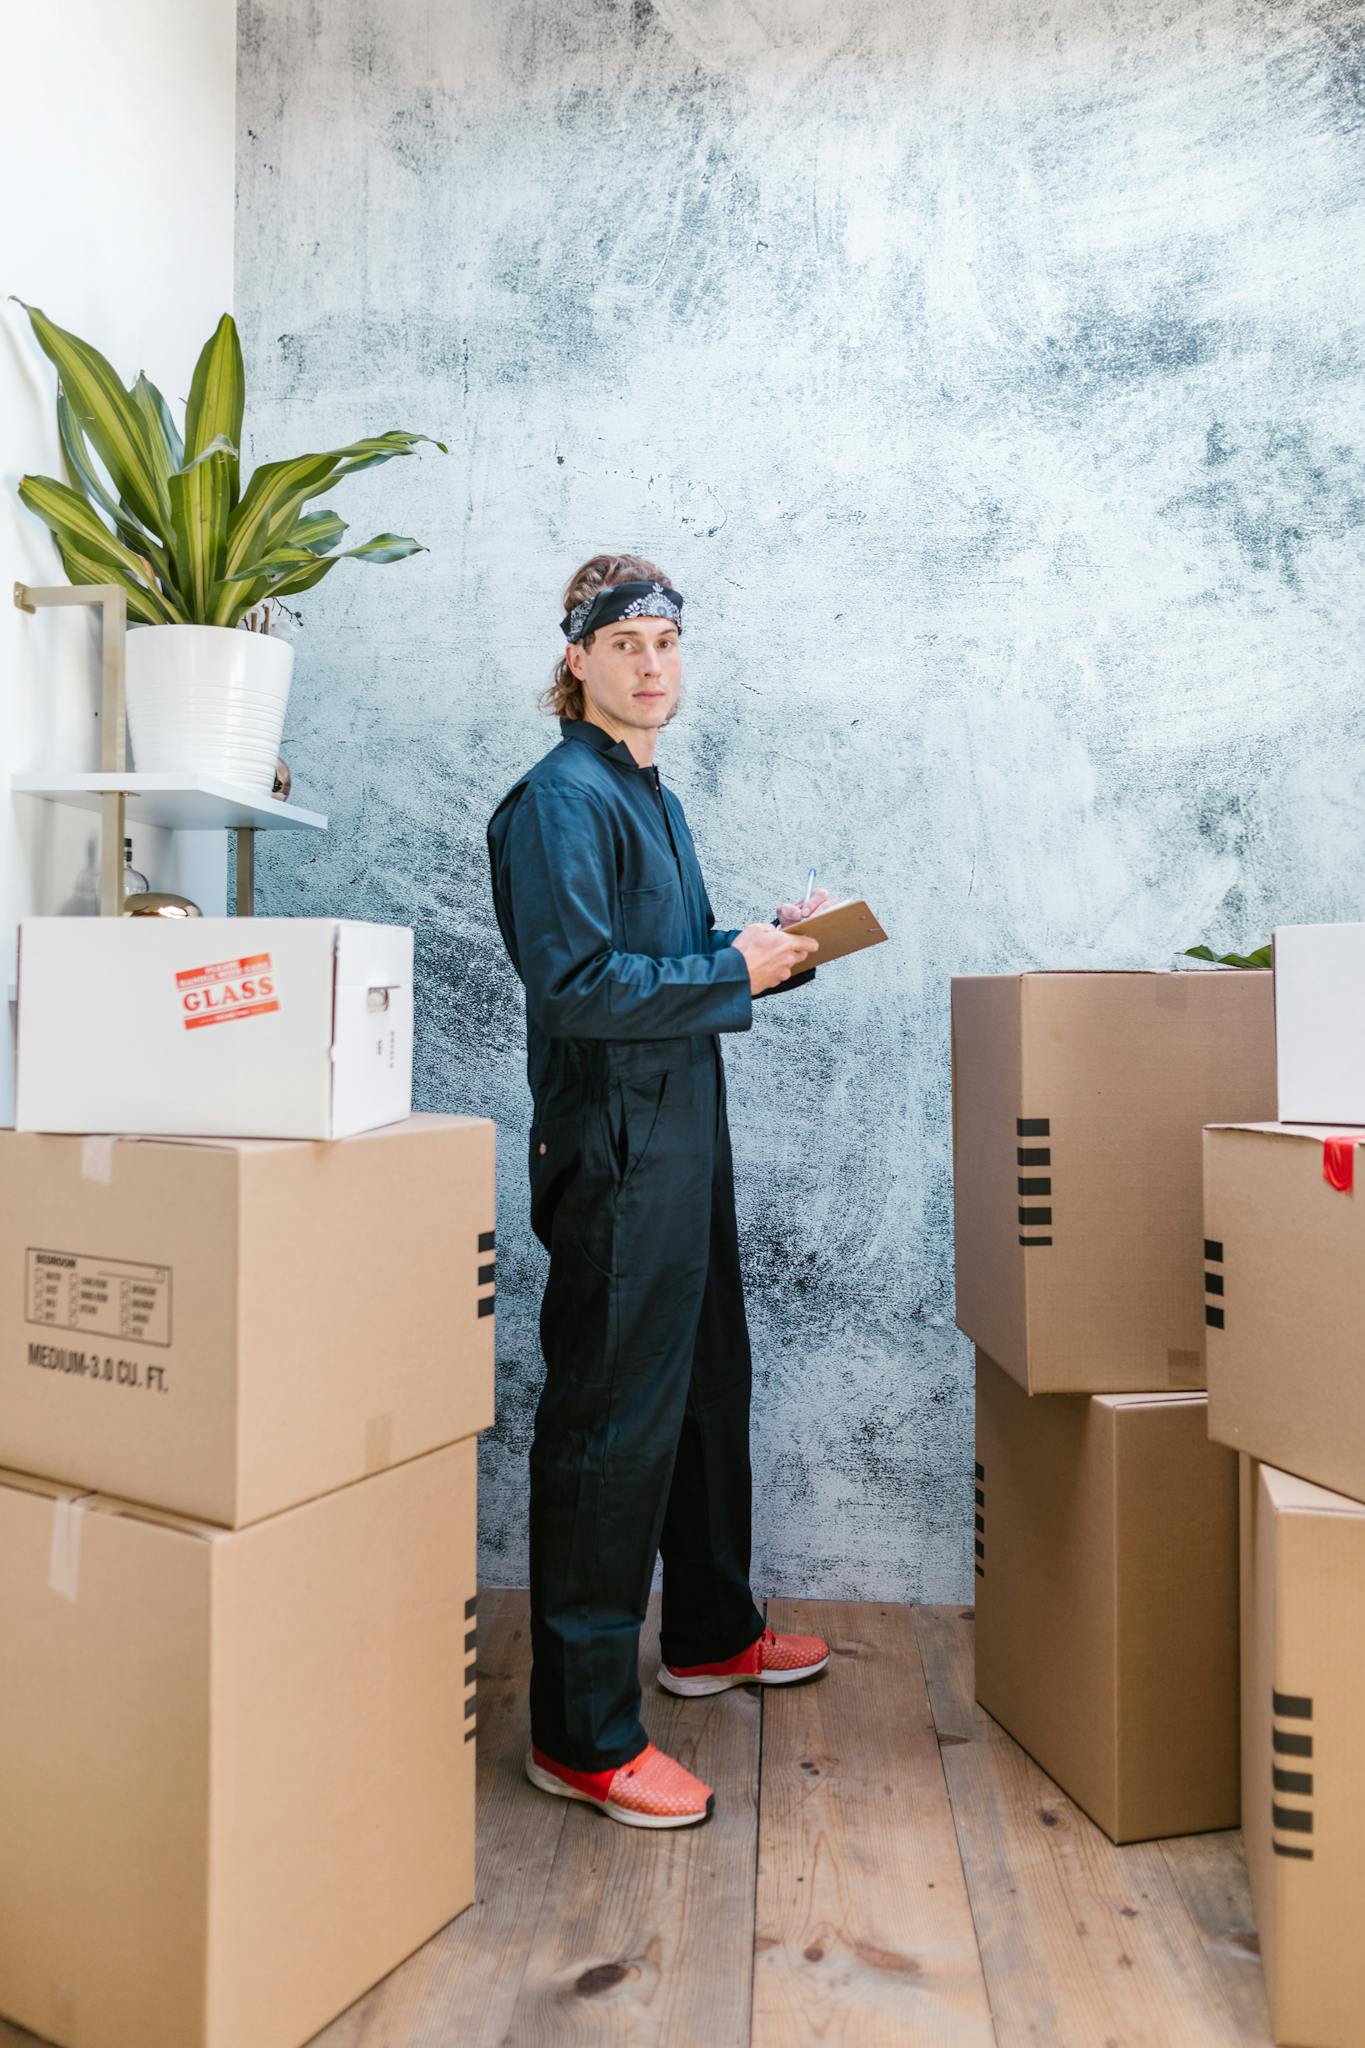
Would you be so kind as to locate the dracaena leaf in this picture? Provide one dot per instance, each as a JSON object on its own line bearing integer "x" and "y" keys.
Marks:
{"x": 143, "y": 605}
{"x": 278, "y": 491}
{"x": 1263, "y": 956}
{"x": 157, "y": 414}
{"x": 106, "y": 414}
{"x": 319, "y": 532}
{"x": 85, "y": 477}
{"x": 217, "y": 400}
{"x": 200, "y": 503}
{"x": 79, "y": 531}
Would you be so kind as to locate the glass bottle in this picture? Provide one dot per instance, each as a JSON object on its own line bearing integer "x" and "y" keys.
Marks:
{"x": 135, "y": 883}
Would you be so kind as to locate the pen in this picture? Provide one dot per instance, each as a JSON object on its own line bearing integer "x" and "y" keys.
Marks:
{"x": 810, "y": 888}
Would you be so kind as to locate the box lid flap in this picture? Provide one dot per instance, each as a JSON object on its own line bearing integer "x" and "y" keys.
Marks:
{"x": 107, "y": 1504}
{"x": 1289, "y": 1495}
{"x": 1157, "y": 1398}
{"x": 1314, "y": 1132}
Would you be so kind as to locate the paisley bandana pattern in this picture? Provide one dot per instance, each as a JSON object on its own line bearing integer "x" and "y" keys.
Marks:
{"x": 641, "y": 599}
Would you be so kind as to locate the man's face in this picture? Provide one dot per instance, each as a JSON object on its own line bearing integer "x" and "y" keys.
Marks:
{"x": 632, "y": 673}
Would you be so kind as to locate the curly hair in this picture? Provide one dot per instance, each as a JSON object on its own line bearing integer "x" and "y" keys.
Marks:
{"x": 564, "y": 697}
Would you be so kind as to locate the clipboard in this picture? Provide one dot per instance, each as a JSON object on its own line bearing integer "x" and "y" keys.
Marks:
{"x": 848, "y": 928}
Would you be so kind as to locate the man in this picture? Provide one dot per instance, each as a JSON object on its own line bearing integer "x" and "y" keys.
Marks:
{"x": 642, "y": 1431}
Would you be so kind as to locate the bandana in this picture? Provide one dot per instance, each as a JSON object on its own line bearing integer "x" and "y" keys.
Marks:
{"x": 638, "y": 600}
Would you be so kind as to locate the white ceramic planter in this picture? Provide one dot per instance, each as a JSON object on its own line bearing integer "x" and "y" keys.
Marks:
{"x": 208, "y": 700}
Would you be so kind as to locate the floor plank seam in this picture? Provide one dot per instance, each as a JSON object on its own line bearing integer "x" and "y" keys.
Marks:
{"x": 952, "y": 1808}
{"x": 758, "y": 1849}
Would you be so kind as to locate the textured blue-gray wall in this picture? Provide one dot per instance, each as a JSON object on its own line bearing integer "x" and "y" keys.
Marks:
{"x": 988, "y": 376}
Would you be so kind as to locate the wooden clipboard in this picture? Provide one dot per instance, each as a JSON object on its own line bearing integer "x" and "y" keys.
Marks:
{"x": 846, "y": 929}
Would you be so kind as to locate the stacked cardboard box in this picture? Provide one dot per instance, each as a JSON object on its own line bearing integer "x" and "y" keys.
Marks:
{"x": 1106, "y": 1522}
{"x": 1303, "y": 1757}
{"x": 240, "y": 1381}
{"x": 1284, "y": 1258}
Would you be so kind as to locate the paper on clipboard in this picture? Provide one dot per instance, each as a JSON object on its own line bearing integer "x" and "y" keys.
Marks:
{"x": 847, "y": 928}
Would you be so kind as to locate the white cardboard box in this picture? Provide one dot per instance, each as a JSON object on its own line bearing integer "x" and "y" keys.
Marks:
{"x": 1320, "y": 1023}
{"x": 258, "y": 1027}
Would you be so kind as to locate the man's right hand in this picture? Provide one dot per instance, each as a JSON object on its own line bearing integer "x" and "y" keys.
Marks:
{"x": 772, "y": 954}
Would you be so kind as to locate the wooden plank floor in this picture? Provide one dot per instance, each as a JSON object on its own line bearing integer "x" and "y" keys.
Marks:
{"x": 885, "y": 1867}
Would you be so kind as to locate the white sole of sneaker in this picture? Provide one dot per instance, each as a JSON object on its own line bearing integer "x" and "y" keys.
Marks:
{"x": 546, "y": 1781}
{"x": 702, "y": 1688}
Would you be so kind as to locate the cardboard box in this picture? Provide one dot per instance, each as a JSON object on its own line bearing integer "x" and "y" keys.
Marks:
{"x": 1303, "y": 1748}
{"x": 258, "y": 1027}
{"x": 1319, "y": 999}
{"x": 226, "y": 1328}
{"x": 236, "y": 1770}
{"x": 1285, "y": 1308}
{"x": 1106, "y": 1600}
{"x": 1078, "y": 1102}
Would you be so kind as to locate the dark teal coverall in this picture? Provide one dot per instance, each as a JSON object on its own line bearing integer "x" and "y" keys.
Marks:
{"x": 641, "y": 1438}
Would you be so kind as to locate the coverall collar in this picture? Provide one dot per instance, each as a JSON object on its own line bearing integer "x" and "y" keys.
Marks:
{"x": 594, "y": 736}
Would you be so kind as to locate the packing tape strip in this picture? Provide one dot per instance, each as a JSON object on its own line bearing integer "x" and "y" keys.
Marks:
{"x": 97, "y": 1160}
{"x": 64, "y": 1561}
{"x": 378, "y": 1444}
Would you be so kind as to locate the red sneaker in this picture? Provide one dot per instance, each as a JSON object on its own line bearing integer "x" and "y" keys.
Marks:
{"x": 772, "y": 1660}
{"x": 651, "y": 1791}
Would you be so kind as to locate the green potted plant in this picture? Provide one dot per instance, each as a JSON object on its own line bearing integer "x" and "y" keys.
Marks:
{"x": 165, "y": 513}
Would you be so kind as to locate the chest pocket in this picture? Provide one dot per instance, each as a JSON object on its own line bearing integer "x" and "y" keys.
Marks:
{"x": 652, "y": 920}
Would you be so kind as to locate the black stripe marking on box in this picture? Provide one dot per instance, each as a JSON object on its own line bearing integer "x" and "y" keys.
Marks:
{"x": 1300, "y": 1782}
{"x": 1034, "y": 1155}
{"x": 1285, "y": 1744}
{"x": 1295, "y": 1820}
{"x": 486, "y": 1304}
{"x": 1033, "y": 1126}
{"x": 470, "y": 1706}
{"x": 487, "y": 1273}
{"x": 1285, "y": 1849}
{"x": 979, "y": 1547}
{"x": 1035, "y": 1187}
{"x": 471, "y": 1641}
{"x": 469, "y": 1734}
{"x": 980, "y": 1524}
{"x": 488, "y": 1240}
{"x": 1213, "y": 1284}
{"x": 1291, "y": 1706}
{"x": 1035, "y": 1240}
{"x": 469, "y": 1671}
{"x": 979, "y": 1573}
{"x": 1032, "y": 1216}
{"x": 980, "y": 1469}
{"x": 471, "y": 1607}
{"x": 980, "y": 1498}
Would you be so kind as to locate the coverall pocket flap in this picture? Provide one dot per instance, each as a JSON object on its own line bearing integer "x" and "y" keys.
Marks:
{"x": 651, "y": 919}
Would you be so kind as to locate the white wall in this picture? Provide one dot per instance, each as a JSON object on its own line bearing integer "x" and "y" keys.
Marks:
{"x": 116, "y": 159}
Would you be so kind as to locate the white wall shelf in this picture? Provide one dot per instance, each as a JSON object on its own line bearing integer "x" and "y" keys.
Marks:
{"x": 192, "y": 803}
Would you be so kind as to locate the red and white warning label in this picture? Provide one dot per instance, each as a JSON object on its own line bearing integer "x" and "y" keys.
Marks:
{"x": 227, "y": 992}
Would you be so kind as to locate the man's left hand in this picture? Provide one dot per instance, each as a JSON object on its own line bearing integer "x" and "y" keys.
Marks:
{"x": 793, "y": 913}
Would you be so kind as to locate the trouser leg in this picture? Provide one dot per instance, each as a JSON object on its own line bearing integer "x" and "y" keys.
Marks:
{"x": 622, "y": 1199}
{"x": 708, "y": 1609}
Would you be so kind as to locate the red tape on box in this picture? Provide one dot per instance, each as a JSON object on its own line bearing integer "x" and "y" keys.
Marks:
{"x": 1339, "y": 1160}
